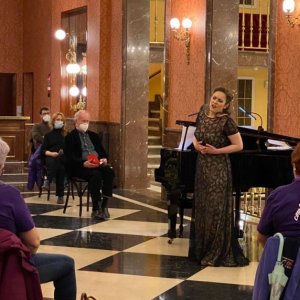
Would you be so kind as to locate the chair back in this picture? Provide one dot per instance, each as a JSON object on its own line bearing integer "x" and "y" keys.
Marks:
{"x": 291, "y": 264}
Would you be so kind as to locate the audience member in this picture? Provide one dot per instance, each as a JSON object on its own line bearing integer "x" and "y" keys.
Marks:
{"x": 39, "y": 130}
{"x": 15, "y": 217}
{"x": 87, "y": 159}
{"x": 52, "y": 150}
{"x": 282, "y": 209}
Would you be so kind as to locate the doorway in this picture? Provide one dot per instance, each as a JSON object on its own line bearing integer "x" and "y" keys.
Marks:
{"x": 7, "y": 94}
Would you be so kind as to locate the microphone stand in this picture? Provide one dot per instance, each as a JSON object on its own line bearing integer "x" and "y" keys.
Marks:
{"x": 259, "y": 128}
{"x": 250, "y": 114}
{"x": 190, "y": 115}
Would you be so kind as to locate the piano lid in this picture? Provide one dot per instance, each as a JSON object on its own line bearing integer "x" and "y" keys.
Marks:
{"x": 253, "y": 133}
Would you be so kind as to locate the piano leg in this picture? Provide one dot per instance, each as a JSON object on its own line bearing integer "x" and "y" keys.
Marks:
{"x": 181, "y": 212}
{"x": 239, "y": 232}
{"x": 172, "y": 200}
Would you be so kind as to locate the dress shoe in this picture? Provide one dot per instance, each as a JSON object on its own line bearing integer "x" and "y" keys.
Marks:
{"x": 106, "y": 212}
{"x": 46, "y": 185}
{"x": 60, "y": 200}
{"x": 98, "y": 215}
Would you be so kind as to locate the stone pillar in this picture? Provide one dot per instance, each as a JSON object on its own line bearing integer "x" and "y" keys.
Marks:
{"x": 222, "y": 30}
{"x": 135, "y": 93}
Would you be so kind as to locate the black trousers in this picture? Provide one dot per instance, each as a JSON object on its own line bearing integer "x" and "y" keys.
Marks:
{"x": 56, "y": 169}
{"x": 98, "y": 178}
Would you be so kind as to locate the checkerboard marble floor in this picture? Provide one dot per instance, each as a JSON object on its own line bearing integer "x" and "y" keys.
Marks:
{"x": 128, "y": 256}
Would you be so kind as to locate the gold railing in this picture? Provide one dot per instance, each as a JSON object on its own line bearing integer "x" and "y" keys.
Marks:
{"x": 252, "y": 202}
{"x": 157, "y": 21}
{"x": 254, "y": 26}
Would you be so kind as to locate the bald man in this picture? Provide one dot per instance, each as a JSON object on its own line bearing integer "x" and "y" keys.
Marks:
{"x": 79, "y": 144}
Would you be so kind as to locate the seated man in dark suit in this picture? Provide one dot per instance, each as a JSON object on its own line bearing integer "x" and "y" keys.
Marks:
{"x": 80, "y": 145}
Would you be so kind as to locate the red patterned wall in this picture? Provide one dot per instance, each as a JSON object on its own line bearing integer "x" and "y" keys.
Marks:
{"x": 287, "y": 76}
{"x": 11, "y": 47}
{"x": 186, "y": 85}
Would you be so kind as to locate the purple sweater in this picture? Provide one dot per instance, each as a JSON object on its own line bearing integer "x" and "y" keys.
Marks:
{"x": 282, "y": 211}
{"x": 14, "y": 213}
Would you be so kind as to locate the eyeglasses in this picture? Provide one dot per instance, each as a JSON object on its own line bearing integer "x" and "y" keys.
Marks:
{"x": 45, "y": 113}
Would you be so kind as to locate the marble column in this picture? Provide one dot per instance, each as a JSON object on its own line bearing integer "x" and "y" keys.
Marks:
{"x": 222, "y": 45}
{"x": 135, "y": 93}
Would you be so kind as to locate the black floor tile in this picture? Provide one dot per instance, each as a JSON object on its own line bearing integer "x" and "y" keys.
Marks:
{"x": 146, "y": 265}
{"x": 62, "y": 222}
{"x": 207, "y": 291}
{"x": 96, "y": 240}
{"x": 36, "y": 208}
{"x": 146, "y": 215}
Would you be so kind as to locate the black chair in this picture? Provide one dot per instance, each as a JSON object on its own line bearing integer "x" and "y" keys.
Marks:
{"x": 82, "y": 187}
{"x": 44, "y": 178}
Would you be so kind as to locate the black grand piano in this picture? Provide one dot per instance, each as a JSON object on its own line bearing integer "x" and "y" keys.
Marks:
{"x": 255, "y": 166}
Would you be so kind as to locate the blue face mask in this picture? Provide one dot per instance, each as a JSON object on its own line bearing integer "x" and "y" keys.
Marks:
{"x": 58, "y": 124}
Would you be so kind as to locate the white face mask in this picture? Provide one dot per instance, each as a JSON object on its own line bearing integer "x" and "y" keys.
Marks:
{"x": 83, "y": 127}
{"x": 46, "y": 118}
{"x": 58, "y": 124}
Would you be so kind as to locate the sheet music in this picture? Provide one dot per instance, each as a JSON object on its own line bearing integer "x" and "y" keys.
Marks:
{"x": 277, "y": 145}
{"x": 189, "y": 137}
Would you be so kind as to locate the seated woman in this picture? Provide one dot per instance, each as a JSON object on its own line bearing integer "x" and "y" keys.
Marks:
{"x": 52, "y": 149}
{"x": 282, "y": 209}
{"x": 15, "y": 217}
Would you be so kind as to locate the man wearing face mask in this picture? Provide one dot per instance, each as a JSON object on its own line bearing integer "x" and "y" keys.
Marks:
{"x": 39, "y": 130}
{"x": 52, "y": 150}
{"x": 80, "y": 145}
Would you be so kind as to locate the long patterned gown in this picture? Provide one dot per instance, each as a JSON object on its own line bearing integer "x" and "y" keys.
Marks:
{"x": 213, "y": 241}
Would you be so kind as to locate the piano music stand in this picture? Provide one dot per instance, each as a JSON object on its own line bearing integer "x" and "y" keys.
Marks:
{"x": 186, "y": 125}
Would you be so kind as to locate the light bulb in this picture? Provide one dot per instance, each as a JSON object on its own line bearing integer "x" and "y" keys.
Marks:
{"x": 73, "y": 68}
{"x": 174, "y": 23}
{"x": 288, "y": 6}
{"x": 83, "y": 91}
{"x": 60, "y": 34}
{"x": 186, "y": 23}
{"x": 74, "y": 91}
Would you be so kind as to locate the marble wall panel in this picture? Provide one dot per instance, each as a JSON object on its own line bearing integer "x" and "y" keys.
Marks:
{"x": 222, "y": 45}
{"x": 116, "y": 62}
{"x": 134, "y": 124}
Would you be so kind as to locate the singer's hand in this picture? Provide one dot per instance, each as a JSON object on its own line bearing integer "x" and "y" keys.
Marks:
{"x": 209, "y": 149}
{"x": 199, "y": 147}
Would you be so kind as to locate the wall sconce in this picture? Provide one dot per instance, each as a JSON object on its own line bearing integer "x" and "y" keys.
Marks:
{"x": 73, "y": 70}
{"x": 288, "y": 7}
{"x": 183, "y": 35}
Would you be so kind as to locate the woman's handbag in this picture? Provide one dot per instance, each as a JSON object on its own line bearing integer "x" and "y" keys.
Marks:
{"x": 84, "y": 296}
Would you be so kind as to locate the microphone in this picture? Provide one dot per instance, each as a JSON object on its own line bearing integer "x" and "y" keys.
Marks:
{"x": 250, "y": 115}
{"x": 193, "y": 114}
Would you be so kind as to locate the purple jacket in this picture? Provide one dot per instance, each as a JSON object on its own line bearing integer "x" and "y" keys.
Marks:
{"x": 35, "y": 169}
{"x": 19, "y": 277}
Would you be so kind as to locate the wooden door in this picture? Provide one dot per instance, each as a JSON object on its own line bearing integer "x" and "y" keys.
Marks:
{"x": 7, "y": 94}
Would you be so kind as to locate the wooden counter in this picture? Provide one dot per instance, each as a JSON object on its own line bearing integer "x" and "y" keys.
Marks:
{"x": 12, "y": 131}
